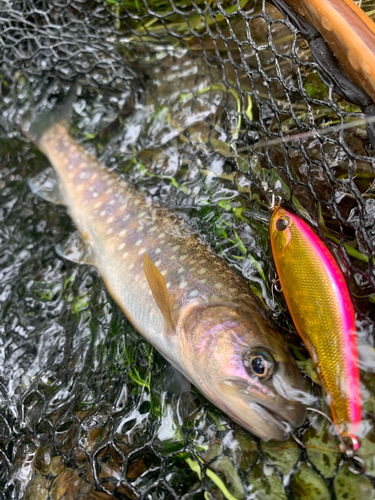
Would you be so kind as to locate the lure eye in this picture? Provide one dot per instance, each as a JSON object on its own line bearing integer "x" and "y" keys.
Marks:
{"x": 282, "y": 223}
{"x": 259, "y": 364}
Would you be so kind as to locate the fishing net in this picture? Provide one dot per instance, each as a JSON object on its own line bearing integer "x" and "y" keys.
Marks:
{"x": 209, "y": 107}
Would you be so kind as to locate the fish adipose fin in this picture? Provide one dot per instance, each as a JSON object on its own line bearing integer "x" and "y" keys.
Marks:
{"x": 75, "y": 249}
{"x": 159, "y": 289}
{"x": 46, "y": 186}
{"x": 35, "y": 125}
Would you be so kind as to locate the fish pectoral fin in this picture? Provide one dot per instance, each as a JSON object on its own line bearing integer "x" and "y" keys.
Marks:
{"x": 75, "y": 249}
{"x": 46, "y": 186}
{"x": 159, "y": 289}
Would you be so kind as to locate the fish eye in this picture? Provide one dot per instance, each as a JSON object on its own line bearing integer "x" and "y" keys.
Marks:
{"x": 259, "y": 363}
{"x": 282, "y": 223}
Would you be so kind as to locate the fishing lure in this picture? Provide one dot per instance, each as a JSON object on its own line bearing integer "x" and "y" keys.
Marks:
{"x": 319, "y": 302}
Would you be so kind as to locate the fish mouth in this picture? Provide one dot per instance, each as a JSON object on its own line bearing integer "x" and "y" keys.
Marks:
{"x": 276, "y": 428}
{"x": 278, "y": 415}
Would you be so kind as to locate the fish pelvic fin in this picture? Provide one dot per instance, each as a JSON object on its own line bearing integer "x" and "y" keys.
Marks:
{"x": 35, "y": 124}
{"x": 159, "y": 289}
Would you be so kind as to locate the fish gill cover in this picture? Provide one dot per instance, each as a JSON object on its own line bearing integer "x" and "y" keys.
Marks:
{"x": 192, "y": 102}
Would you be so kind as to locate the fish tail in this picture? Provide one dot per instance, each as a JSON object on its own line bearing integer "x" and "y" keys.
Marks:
{"x": 35, "y": 124}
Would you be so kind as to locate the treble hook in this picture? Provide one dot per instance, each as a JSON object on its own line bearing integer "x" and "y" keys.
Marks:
{"x": 356, "y": 464}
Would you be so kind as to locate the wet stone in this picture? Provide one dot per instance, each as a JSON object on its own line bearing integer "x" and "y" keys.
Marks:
{"x": 42, "y": 460}
{"x": 265, "y": 484}
{"x": 37, "y": 489}
{"x": 367, "y": 453}
{"x": 283, "y": 455}
{"x": 69, "y": 486}
{"x": 307, "y": 484}
{"x": 322, "y": 450}
{"x": 56, "y": 466}
{"x": 225, "y": 466}
{"x": 348, "y": 486}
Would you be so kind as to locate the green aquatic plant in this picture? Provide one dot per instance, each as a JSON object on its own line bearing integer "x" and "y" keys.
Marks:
{"x": 175, "y": 20}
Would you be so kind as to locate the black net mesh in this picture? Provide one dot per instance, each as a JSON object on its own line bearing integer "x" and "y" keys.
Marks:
{"x": 203, "y": 105}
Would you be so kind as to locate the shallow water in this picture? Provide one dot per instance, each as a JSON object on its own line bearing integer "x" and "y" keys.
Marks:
{"x": 87, "y": 408}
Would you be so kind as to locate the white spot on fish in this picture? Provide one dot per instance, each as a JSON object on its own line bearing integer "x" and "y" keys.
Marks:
{"x": 98, "y": 204}
{"x": 183, "y": 257}
{"x": 176, "y": 247}
{"x": 124, "y": 255}
{"x": 219, "y": 286}
{"x": 152, "y": 229}
{"x": 80, "y": 187}
{"x": 193, "y": 293}
{"x": 127, "y": 217}
{"x": 203, "y": 281}
{"x": 109, "y": 191}
{"x": 110, "y": 219}
{"x": 102, "y": 213}
{"x": 122, "y": 233}
{"x": 202, "y": 270}
{"x": 232, "y": 290}
{"x": 95, "y": 194}
{"x": 131, "y": 266}
{"x": 94, "y": 176}
{"x": 137, "y": 243}
{"x": 71, "y": 175}
{"x": 161, "y": 235}
{"x": 84, "y": 175}
{"x": 164, "y": 272}
{"x": 141, "y": 251}
{"x": 112, "y": 202}
{"x": 157, "y": 251}
{"x": 181, "y": 270}
{"x": 168, "y": 284}
{"x": 137, "y": 202}
{"x": 192, "y": 261}
{"x": 183, "y": 284}
{"x": 157, "y": 263}
{"x": 110, "y": 230}
{"x": 121, "y": 246}
{"x": 141, "y": 214}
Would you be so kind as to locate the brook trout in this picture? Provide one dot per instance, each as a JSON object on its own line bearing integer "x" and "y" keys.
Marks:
{"x": 319, "y": 302}
{"x": 185, "y": 300}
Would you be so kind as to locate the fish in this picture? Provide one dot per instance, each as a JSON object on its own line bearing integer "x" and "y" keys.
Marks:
{"x": 349, "y": 32}
{"x": 183, "y": 298}
{"x": 319, "y": 302}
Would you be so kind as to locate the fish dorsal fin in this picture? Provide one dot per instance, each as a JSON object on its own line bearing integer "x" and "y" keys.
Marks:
{"x": 46, "y": 186}
{"x": 75, "y": 249}
{"x": 158, "y": 288}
